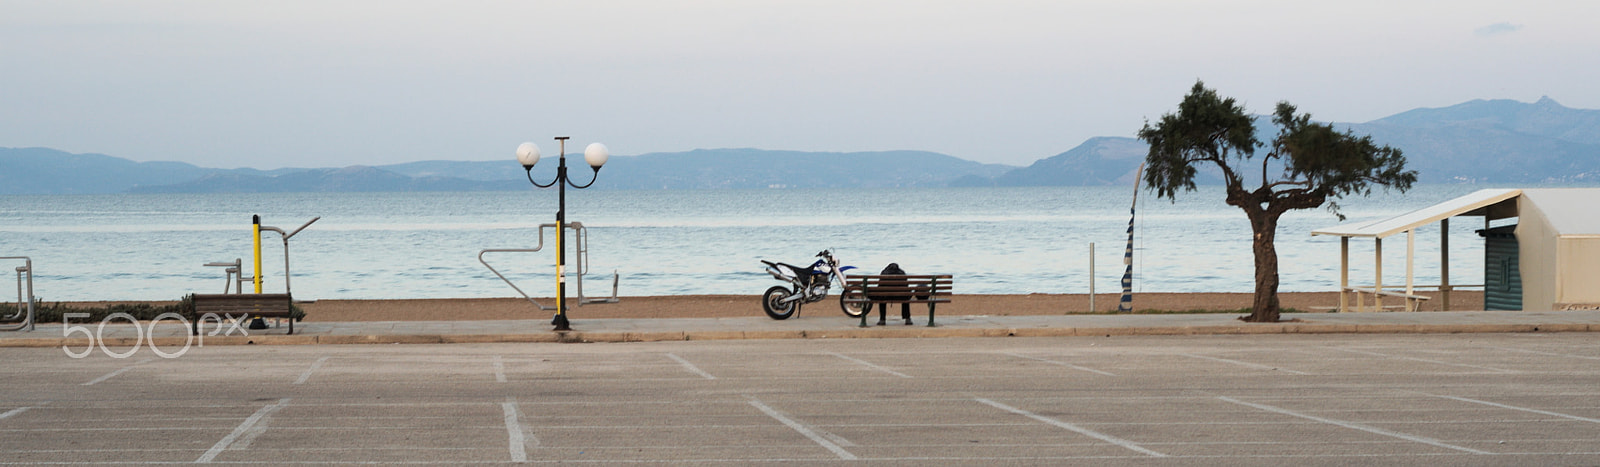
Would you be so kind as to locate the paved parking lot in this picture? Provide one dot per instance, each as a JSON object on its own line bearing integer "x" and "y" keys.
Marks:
{"x": 1258, "y": 399}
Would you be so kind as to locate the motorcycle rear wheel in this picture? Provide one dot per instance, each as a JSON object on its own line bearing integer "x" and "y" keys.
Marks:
{"x": 770, "y": 302}
{"x": 853, "y": 310}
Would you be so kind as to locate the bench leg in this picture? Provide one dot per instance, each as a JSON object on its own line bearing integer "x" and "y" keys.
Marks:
{"x": 930, "y": 315}
{"x": 867, "y": 310}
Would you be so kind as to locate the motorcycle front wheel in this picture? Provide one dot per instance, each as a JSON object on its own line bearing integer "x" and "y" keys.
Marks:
{"x": 772, "y": 303}
{"x": 853, "y": 309}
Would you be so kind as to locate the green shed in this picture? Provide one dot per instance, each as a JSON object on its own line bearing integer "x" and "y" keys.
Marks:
{"x": 1502, "y": 279}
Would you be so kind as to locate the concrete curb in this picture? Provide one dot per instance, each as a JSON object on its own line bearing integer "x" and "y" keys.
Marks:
{"x": 169, "y": 342}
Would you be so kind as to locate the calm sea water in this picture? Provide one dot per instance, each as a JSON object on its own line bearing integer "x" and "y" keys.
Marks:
{"x": 425, "y": 245}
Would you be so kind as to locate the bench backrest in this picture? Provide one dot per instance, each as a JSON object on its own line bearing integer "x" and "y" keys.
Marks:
{"x": 902, "y": 285}
{"x": 259, "y": 303}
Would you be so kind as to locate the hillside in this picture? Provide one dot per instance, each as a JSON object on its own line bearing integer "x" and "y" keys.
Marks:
{"x": 1480, "y": 141}
{"x": 1499, "y": 141}
{"x": 48, "y": 171}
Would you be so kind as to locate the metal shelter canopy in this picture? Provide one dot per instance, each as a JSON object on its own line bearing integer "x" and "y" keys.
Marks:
{"x": 1490, "y": 203}
{"x": 1477, "y": 203}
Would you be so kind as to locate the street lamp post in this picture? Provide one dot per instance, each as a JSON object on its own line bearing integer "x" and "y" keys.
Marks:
{"x": 595, "y": 154}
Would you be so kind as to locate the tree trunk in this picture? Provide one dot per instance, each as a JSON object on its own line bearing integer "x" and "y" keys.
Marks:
{"x": 1265, "y": 307}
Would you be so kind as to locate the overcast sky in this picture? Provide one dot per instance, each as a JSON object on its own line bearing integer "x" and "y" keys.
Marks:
{"x": 270, "y": 84}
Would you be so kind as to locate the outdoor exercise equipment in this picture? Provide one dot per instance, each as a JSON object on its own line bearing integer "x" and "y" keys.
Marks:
{"x": 286, "y": 237}
{"x": 231, "y": 271}
{"x": 25, "y": 302}
{"x": 236, "y": 268}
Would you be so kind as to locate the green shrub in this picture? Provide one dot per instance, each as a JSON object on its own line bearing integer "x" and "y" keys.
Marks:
{"x": 51, "y": 313}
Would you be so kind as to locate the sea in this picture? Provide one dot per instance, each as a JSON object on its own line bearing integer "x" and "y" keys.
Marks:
{"x": 679, "y": 242}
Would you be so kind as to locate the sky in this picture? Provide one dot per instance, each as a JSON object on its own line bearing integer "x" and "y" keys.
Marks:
{"x": 271, "y": 84}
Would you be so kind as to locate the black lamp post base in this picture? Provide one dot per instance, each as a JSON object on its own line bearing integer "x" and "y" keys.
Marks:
{"x": 560, "y": 322}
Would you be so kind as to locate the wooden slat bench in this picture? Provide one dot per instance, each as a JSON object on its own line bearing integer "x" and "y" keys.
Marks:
{"x": 1413, "y": 302}
{"x": 869, "y": 290}
{"x": 269, "y": 305}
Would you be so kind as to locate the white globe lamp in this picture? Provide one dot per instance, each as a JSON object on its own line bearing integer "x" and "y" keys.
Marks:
{"x": 596, "y": 155}
{"x": 528, "y": 155}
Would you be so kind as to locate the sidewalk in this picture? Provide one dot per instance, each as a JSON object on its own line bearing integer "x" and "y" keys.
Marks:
{"x": 170, "y": 333}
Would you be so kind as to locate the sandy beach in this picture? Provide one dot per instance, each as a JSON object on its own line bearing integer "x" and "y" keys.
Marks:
{"x": 719, "y": 306}
{"x": 729, "y": 306}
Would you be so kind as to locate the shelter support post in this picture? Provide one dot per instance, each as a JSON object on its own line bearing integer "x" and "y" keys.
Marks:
{"x": 1411, "y": 254}
{"x": 1344, "y": 274}
{"x": 1444, "y": 263}
{"x": 1377, "y": 254}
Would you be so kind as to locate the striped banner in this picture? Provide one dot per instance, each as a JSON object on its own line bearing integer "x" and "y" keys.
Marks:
{"x": 1126, "y": 304}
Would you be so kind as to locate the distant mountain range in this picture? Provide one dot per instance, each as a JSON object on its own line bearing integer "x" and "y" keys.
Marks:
{"x": 1495, "y": 141}
{"x": 48, "y": 171}
{"x": 1481, "y": 141}
{"x": 731, "y": 168}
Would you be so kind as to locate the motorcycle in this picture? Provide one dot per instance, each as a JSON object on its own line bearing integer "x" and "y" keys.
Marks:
{"x": 808, "y": 284}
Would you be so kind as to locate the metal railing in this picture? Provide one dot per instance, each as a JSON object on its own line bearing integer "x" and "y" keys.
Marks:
{"x": 25, "y": 302}
{"x": 582, "y": 246}
{"x": 583, "y": 266}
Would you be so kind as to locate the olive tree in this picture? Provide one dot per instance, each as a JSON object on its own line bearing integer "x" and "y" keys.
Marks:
{"x": 1306, "y": 165}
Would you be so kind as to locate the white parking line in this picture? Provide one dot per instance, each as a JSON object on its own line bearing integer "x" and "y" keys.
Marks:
{"x": 869, "y": 364}
{"x": 807, "y": 432}
{"x": 307, "y": 375}
{"x": 1512, "y": 407}
{"x": 1424, "y": 360}
{"x": 1073, "y": 428}
{"x": 1552, "y": 354}
{"x": 241, "y": 430}
{"x": 691, "y": 367}
{"x": 255, "y": 431}
{"x": 499, "y": 370}
{"x": 107, "y": 376}
{"x": 1243, "y": 364}
{"x": 1068, "y": 365}
{"x": 12, "y": 412}
{"x": 1353, "y": 426}
{"x": 519, "y": 444}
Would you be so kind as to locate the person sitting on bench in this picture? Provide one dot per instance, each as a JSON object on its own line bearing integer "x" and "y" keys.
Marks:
{"x": 883, "y": 308}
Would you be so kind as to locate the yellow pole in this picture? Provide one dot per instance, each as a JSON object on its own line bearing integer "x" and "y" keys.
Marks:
{"x": 256, "y": 227}
{"x": 561, "y": 259}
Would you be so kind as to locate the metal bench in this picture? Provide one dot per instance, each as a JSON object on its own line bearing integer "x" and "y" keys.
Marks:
{"x": 868, "y": 290}
{"x": 271, "y": 305}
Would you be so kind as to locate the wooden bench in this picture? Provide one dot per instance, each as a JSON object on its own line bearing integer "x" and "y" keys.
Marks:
{"x": 267, "y": 305}
{"x": 1413, "y": 302}
{"x": 868, "y": 290}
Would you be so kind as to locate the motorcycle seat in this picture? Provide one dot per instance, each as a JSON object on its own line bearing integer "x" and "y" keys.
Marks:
{"x": 796, "y": 270}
